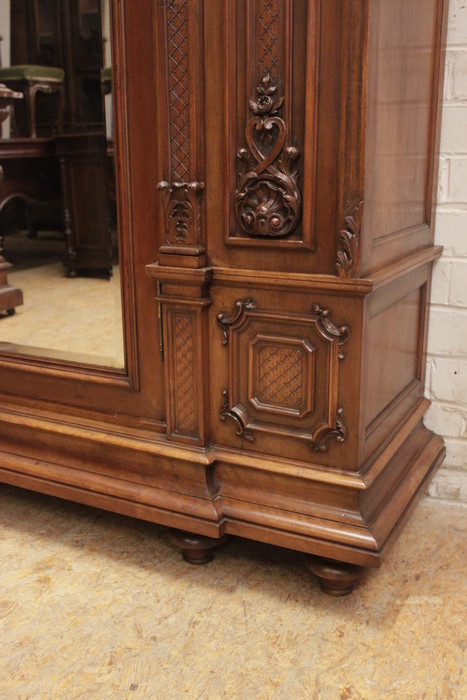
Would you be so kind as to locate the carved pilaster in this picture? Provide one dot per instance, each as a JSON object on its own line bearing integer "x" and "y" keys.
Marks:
{"x": 183, "y": 296}
{"x": 180, "y": 26}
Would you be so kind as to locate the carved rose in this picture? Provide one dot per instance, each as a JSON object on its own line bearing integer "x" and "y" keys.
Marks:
{"x": 267, "y": 103}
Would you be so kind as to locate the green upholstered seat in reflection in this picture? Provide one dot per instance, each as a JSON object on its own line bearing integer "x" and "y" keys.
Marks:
{"x": 48, "y": 73}
{"x": 106, "y": 73}
{"x": 31, "y": 79}
{"x": 106, "y": 79}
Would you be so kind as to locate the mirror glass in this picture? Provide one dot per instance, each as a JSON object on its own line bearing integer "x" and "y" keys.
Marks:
{"x": 60, "y": 295}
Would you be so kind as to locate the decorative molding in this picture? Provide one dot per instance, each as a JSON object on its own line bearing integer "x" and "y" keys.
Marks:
{"x": 268, "y": 201}
{"x": 182, "y": 208}
{"x": 348, "y": 243}
{"x": 225, "y": 321}
{"x": 281, "y": 381}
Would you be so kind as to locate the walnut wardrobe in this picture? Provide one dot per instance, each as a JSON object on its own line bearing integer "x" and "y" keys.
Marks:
{"x": 275, "y": 172}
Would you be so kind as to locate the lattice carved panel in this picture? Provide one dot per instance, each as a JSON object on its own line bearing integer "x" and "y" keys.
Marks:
{"x": 179, "y": 86}
{"x": 281, "y": 375}
{"x": 184, "y": 381}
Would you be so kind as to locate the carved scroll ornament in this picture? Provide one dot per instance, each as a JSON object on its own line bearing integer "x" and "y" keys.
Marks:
{"x": 239, "y": 417}
{"x": 225, "y": 321}
{"x": 268, "y": 199}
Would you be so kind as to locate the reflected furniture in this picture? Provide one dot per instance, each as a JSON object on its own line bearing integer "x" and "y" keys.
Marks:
{"x": 276, "y": 174}
{"x": 84, "y": 176}
{"x": 62, "y": 35}
{"x": 31, "y": 80}
{"x": 57, "y": 58}
{"x": 10, "y": 297}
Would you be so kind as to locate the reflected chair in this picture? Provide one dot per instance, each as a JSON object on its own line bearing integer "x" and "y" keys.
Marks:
{"x": 30, "y": 80}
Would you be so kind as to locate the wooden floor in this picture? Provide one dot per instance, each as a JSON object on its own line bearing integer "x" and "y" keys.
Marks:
{"x": 97, "y": 606}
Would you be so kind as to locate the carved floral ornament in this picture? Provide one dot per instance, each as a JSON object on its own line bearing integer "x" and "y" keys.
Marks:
{"x": 268, "y": 201}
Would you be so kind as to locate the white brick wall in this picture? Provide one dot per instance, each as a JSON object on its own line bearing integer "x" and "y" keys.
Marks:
{"x": 447, "y": 342}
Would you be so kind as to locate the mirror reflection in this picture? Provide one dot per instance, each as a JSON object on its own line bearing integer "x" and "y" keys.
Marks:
{"x": 59, "y": 267}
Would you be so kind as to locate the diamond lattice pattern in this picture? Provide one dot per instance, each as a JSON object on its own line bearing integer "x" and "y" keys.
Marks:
{"x": 280, "y": 376}
{"x": 268, "y": 38}
{"x": 179, "y": 88}
{"x": 184, "y": 385}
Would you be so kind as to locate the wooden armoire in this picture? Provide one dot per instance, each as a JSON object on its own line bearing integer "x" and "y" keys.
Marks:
{"x": 276, "y": 170}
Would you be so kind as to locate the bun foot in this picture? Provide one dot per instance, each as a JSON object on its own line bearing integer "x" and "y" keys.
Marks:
{"x": 335, "y": 578}
{"x": 196, "y": 549}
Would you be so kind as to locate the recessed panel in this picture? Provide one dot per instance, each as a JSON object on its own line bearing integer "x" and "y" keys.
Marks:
{"x": 281, "y": 375}
{"x": 271, "y": 87}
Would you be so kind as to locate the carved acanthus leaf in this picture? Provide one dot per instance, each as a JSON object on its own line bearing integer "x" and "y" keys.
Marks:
{"x": 348, "y": 244}
{"x": 182, "y": 210}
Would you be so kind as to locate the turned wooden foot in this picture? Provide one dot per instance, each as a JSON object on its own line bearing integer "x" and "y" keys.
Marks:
{"x": 196, "y": 549}
{"x": 335, "y": 578}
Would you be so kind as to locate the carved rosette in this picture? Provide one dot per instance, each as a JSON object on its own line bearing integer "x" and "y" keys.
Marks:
{"x": 268, "y": 201}
{"x": 182, "y": 208}
{"x": 348, "y": 244}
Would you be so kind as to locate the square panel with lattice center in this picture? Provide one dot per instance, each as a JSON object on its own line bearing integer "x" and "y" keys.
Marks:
{"x": 281, "y": 375}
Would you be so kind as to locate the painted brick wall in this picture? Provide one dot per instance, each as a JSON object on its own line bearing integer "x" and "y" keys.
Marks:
{"x": 447, "y": 343}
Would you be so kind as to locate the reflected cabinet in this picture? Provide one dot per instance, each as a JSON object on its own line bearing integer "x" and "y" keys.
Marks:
{"x": 275, "y": 168}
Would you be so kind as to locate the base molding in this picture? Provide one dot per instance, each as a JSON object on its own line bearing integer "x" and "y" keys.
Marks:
{"x": 338, "y": 521}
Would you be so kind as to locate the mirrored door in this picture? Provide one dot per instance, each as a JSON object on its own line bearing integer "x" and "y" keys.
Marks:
{"x": 58, "y": 204}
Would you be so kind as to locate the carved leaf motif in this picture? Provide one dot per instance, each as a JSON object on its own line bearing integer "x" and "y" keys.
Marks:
{"x": 348, "y": 243}
{"x": 182, "y": 211}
